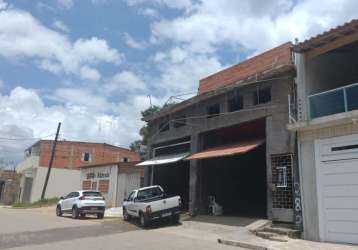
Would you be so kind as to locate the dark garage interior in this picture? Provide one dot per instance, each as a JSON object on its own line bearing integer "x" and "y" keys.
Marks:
{"x": 174, "y": 179}
{"x": 237, "y": 182}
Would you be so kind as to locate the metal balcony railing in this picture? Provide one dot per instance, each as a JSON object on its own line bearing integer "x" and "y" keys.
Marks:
{"x": 333, "y": 101}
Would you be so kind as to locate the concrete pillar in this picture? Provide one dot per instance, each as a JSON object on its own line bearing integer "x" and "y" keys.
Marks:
{"x": 269, "y": 142}
{"x": 194, "y": 179}
{"x": 302, "y": 104}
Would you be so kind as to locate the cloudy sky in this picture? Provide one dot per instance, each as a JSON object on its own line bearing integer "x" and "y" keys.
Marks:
{"x": 91, "y": 64}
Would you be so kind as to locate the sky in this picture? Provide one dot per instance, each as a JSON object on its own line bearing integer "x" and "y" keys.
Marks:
{"x": 91, "y": 64}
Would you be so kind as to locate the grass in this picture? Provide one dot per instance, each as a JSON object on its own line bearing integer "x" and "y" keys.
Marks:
{"x": 39, "y": 203}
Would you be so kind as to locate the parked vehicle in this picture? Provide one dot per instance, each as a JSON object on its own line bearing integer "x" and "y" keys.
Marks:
{"x": 151, "y": 203}
{"x": 81, "y": 203}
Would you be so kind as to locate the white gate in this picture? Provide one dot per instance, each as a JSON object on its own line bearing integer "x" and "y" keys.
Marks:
{"x": 337, "y": 188}
{"x": 126, "y": 184}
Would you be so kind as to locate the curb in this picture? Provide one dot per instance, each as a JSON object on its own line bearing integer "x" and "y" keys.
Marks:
{"x": 244, "y": 244}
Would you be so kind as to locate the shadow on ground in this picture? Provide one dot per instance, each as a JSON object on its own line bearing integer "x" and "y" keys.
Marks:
{"x": 223, "y": 220}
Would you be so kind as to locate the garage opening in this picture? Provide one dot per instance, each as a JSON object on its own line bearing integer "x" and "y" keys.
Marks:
{"x": 169, "y": 170}
{"x": 237, "y": 178}
{"x": 174, "y": 179}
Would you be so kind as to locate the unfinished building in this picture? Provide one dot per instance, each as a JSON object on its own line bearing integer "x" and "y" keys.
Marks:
{"x": 230, "y": 141}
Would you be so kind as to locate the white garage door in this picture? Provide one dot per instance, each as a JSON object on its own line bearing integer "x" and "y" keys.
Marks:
{"x": 337, "y": 183}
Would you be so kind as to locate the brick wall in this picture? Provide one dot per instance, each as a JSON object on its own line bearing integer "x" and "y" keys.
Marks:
{"x": 10, "y": 187}
{"x": 69, "y": 154}
{"x": 282, "y": 197}
{"x": 266, "y": 61}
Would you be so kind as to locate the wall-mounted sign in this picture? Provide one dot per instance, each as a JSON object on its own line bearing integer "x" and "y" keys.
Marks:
{"x": 100, "y": 175}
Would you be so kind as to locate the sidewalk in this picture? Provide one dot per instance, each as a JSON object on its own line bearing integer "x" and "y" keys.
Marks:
{"x": 244, "y": 238}
{"x": 113, "y": 212}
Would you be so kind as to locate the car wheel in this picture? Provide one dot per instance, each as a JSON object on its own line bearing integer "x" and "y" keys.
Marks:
{"x": 126, "y": 216}
{"x": 176, "y": 218}
{"x": 143, "y": 221}
{"x": 75, "y": 213}
{"x": 58, "y": 210}
{"x": 100, "y": 216}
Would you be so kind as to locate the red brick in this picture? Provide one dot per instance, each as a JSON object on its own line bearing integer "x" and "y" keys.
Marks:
{"x": 69, "y": 154}
{"x": 270, "y": 59}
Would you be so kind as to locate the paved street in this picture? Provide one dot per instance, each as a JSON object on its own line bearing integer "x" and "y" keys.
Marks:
{"x": 41, "y": 229}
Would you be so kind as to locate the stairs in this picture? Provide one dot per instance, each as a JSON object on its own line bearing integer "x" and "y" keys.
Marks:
{"x": 277, "y": 232}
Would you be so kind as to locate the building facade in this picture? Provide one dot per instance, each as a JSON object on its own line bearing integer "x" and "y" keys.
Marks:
{"x": 9, "y": 187}
{"x": 326, "y": 123}
{"x": 114, "y": 180}
{"x": 65, "y": 174}
{"x": 230, "y": 142}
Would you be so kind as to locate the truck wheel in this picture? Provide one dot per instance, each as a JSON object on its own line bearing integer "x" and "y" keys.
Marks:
{"x": 143, "y": 220}
{"x": 176, "y": 218}
{"x": 100, "y": 216}
{"x": 75, "y": 213}
{"x": 58, "y": 210}
{"x": 126, "y": 216}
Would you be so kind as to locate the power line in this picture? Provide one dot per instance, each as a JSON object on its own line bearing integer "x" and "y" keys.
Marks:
{"x": 24, "y": 138}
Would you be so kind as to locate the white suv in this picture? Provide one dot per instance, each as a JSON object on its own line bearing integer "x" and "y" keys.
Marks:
{"x": 80, "y": 203}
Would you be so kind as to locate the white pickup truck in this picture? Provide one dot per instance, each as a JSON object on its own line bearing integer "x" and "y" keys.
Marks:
{"x": 151, "y": 203}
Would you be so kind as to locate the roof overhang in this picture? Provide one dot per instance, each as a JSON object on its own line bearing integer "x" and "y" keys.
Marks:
{"x": 165, "y": 159}
{"x": 330, "y": 40}
{"x": 227, "y": 150}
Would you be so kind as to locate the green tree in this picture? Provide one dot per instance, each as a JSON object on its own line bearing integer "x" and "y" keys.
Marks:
{"x": 143, "y": 132}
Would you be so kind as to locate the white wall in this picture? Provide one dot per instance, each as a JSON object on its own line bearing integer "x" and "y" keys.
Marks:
{"x": 61, "y": 182}
{"x": 112, "y": 171}
{"x": 308, "y": 173}
{"x": 27, "y": 163}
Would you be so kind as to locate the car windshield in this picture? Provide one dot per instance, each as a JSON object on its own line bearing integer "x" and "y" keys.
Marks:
{"x": 93, "y": 194}
{"x": 149, "y": 193}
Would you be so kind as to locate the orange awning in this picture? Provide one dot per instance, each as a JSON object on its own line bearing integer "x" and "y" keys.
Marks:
{"x": 227, "y": 150}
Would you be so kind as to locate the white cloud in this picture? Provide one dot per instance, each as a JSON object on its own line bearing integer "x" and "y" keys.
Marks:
{"x": 3, "y": 5}
{"x": 132, "y": 43}
{"x": 181, "y": 72}
{"x": 89, "y": 73}
{"x": 125, "y": 81}
{"x": 22, "y": 36}
{"x": 254, "y": 25}
{"x": 61, "y": 26}
{"x": 150, "y": 12}
{"x": 84, "y": 115}
{"x": 67, "y": 4}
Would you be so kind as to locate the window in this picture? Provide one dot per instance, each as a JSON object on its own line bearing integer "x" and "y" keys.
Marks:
{"x": 103, "y": 186}
{"x": 281, "y": 177}
{"x": 213, "y": 110}
{"x": 87, "y": 157}
{"x": 235, "y": 103}
{"x": 180, "y": 121}
{"x": 262, "y": 96}
{"x": 131, "y": 196}
{"x": 92, "y": 194}
{"x": 164, "y": 126}
{"x": 149, "y": 193}
{"x": 125, "y": 159}
{"x": 86, "y": 185}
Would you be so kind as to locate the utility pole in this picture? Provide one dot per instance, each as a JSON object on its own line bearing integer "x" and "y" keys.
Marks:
{"x": 51, "y": 161}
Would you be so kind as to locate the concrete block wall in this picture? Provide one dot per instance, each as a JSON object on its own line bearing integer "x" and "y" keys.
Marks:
{"x": 278, "y": 139}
